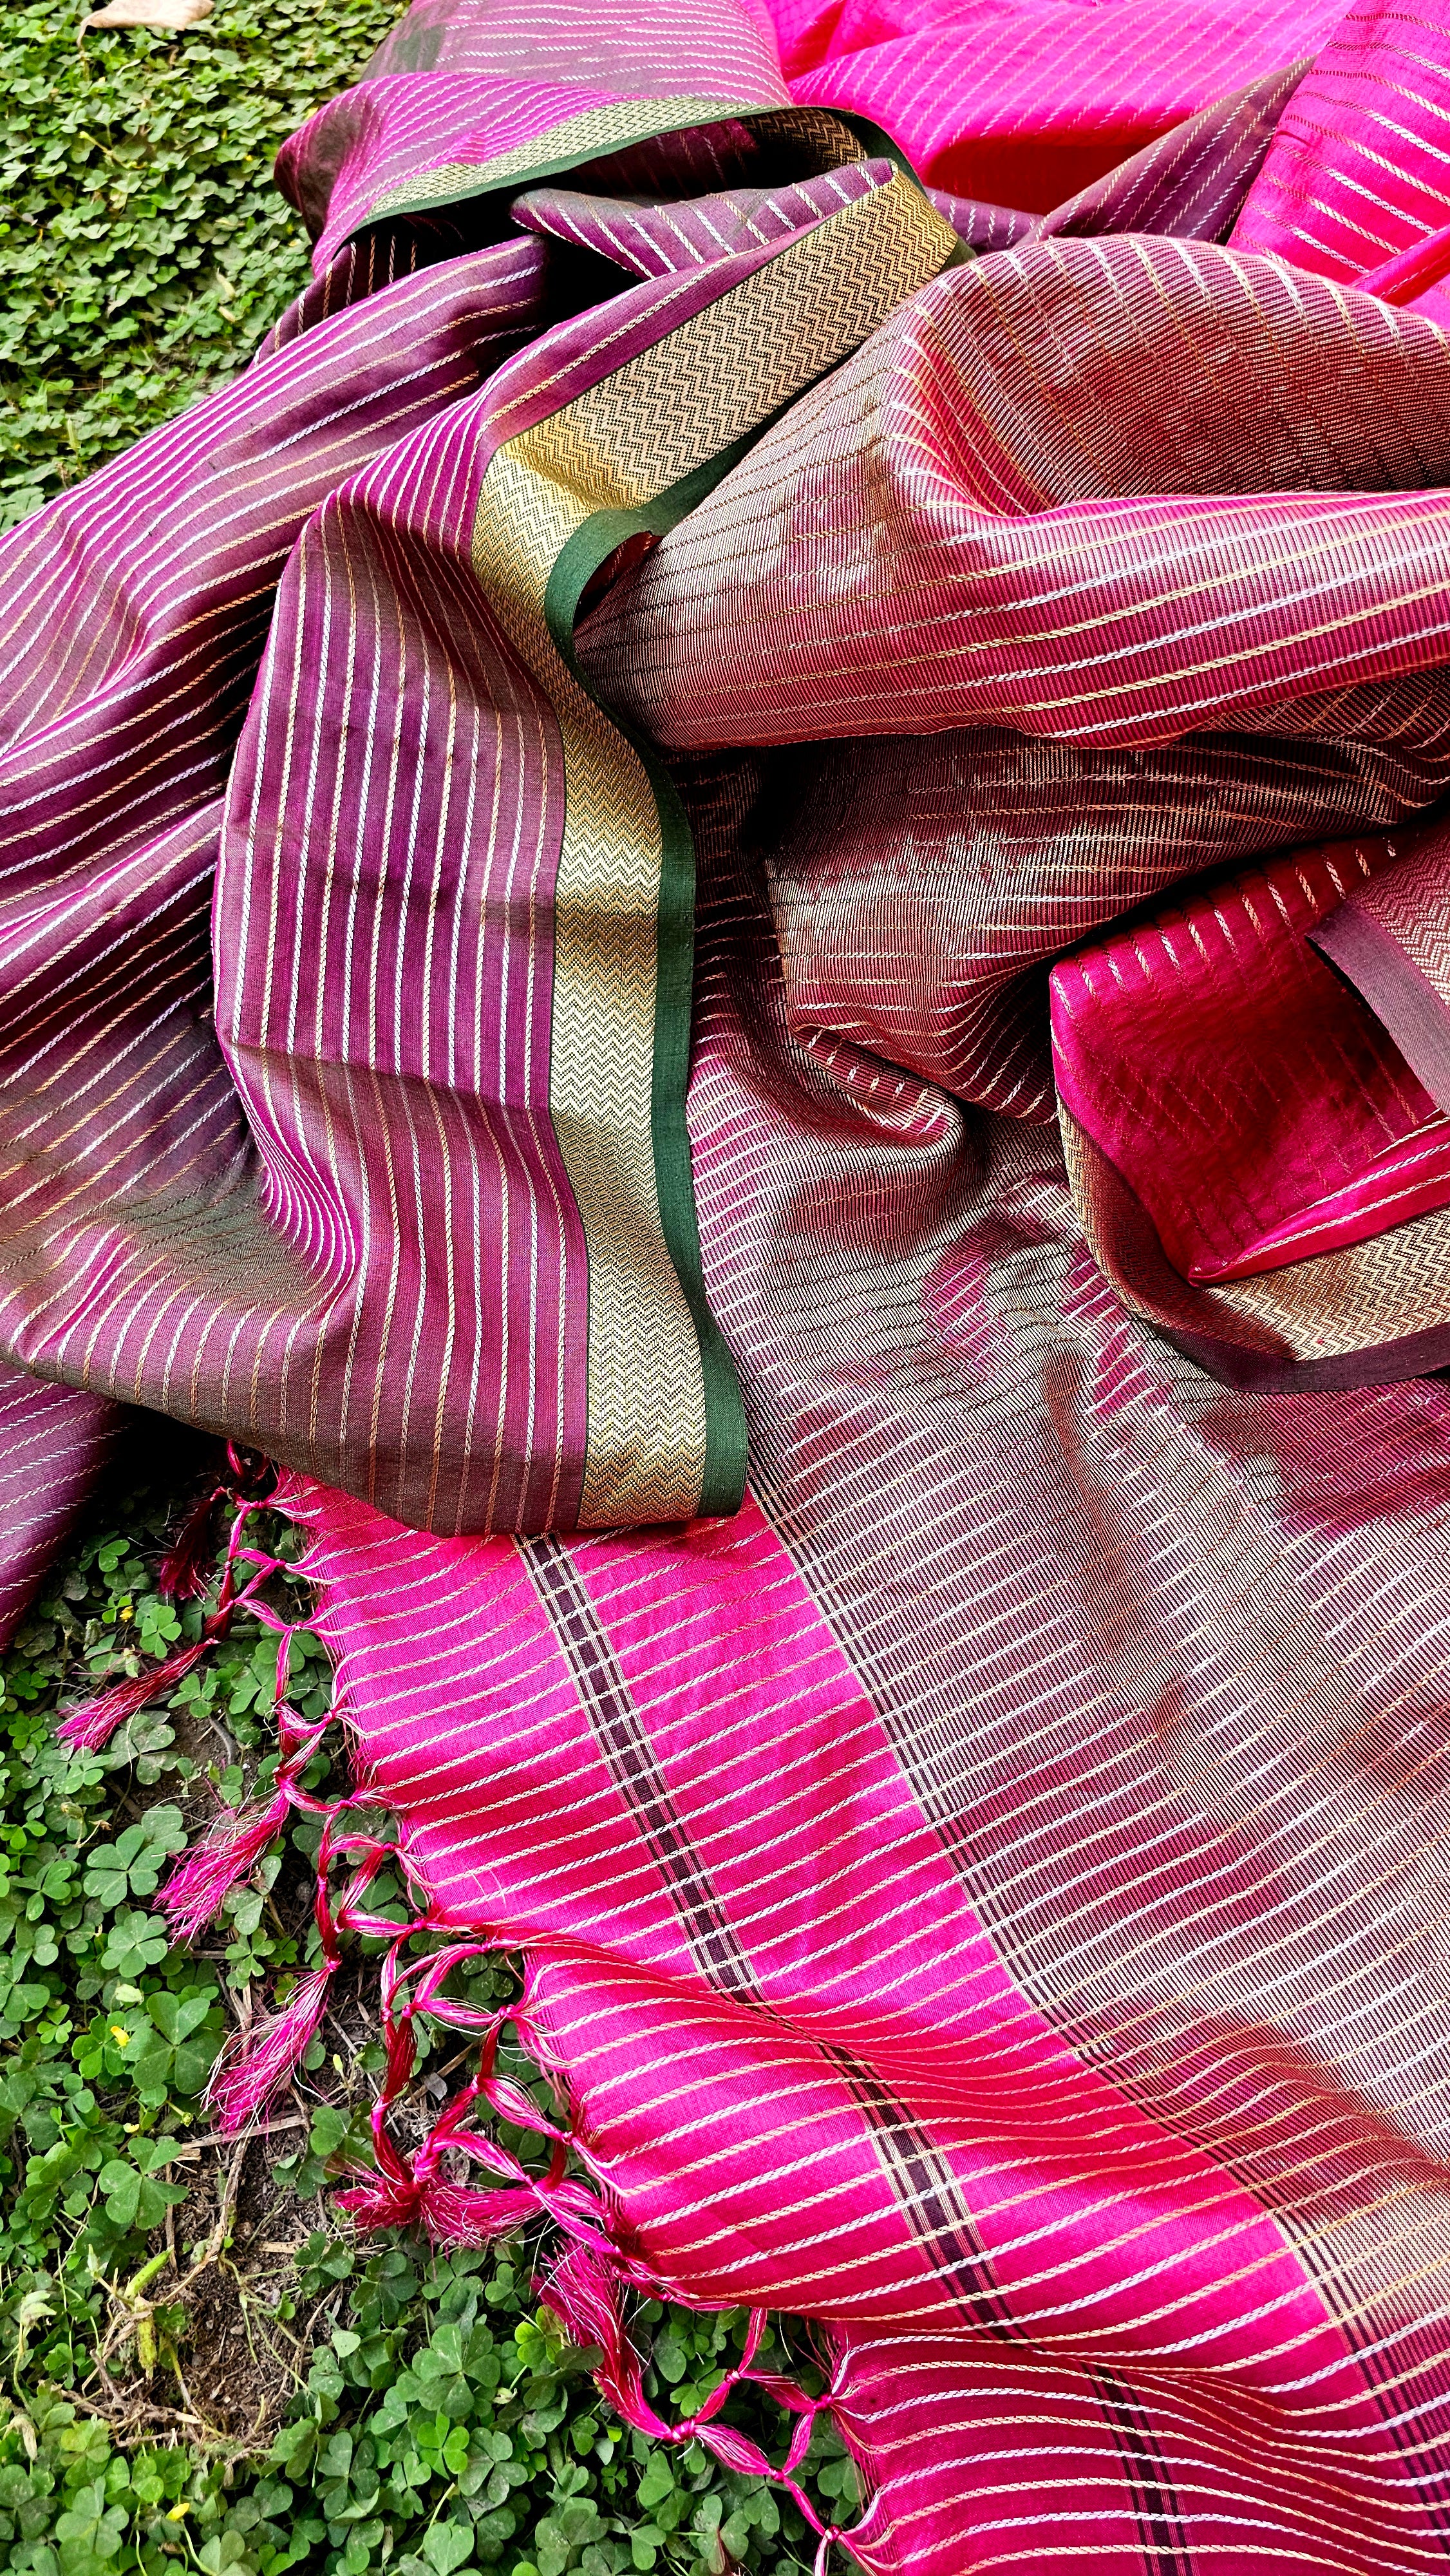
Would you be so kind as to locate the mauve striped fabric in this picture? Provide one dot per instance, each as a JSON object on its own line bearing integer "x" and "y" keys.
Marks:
{"x": 655, "y": 241}
{"x": 55, "y": 1444}
{"x": 1068, "y": 529}
{"x": 688, "y": 814}
{"x": 920, "y": 884}
{"x": 463, "y": 97}
{"x": 145, "y": 1237}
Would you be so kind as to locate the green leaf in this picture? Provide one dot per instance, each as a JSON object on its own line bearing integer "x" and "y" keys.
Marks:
{"x": 191, "y": 2065}
{"x": 122, "y": 2185}
{"x": 579, "y": 2521}
{"x": 134, "y": 1943}
{"x": 106, "y": 1880}
{"x": 448, "y": 2347}
{"x": 329, "y": 2128}
{"x": 656, "y": 2483}
{"x": 243, "y": 1910}
{"x": 447, "y": 2545}
{"x": 176, "y": 2015}
{"x": 162, "y": 1826}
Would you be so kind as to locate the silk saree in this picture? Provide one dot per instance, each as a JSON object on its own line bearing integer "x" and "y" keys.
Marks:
{"x": 730, "y": 906}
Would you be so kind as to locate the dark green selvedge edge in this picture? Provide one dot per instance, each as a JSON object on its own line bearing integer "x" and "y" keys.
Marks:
{"x": 600, "y": 536}
{"x": 877, "y": 144}
{"x": 722, "y": 1488}
{"x": 555, "y": 164}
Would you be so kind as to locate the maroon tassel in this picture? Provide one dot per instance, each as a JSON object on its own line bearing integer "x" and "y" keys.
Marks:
{"x": 451, "y": 2213}
{"x": 186, "y": 1566}
{"x": 93, "y": 1724}
{"x": 582, "y": 2291}
{"x": 456, "y": 2213}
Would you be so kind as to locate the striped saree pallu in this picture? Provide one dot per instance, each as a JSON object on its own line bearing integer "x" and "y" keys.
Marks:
{"x": 729, "y": 906}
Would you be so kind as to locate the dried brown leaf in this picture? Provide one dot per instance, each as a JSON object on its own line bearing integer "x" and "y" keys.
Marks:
{"x": 149, "y": 13}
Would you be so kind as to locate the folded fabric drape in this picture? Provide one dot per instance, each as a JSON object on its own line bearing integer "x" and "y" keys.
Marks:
{"x": 1257, "y": 1108}
{"x": 1388, "y": 937}
{"x": 728, "y": 906}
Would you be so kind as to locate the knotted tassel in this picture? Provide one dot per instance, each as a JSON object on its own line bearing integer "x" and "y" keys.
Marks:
{"x": 457, "y": 2213}
{"x": 231, "y": 1847}
{"x": 581, "y": 2291}
{"x": 235, "y": 1841}
{"x": 256, "y": 2061}
{"x": 93, "y": 1724}
{"x": 450, "y": 2213}
{"x": 413, "y": 2191}
{"x": 185, "y": 1569}
{"x": 389, "y": 2197}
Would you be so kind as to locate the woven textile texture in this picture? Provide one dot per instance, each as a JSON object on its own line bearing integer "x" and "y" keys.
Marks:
{"x": 728, "y": 906}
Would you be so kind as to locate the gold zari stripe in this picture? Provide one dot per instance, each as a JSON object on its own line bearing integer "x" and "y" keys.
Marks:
{"x": 660, "y": 416}
{"x": 586, "y": 137}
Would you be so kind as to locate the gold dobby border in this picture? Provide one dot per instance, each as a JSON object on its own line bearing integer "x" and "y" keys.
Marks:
{"x": 594, "y": 132}
{"x": 657, "y": 418}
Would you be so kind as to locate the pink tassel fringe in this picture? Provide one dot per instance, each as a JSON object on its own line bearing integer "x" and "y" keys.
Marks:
{"x": 232, "y": 1846}
{"x": 581, "y": 2293}
{"x": 449, "y": 2213}
{"x": 253, "y": 2064}
{"x": 583, "y": 2286}
{"x": 93, "y": 1724}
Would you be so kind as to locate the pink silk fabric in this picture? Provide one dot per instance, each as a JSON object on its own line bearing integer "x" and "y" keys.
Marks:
{"x": 1259, "y": 1109}
{"x": 1356, "y": 174}
{"x": 835, "y": 1975}
{"x": 986, "y": 1896}
{"x": 1025, "y": 105}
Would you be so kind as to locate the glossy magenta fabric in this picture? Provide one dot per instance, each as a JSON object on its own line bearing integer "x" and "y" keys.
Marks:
{"x": 729, "y": 906}
{"x": 1289, "y": 1123}
{"x": 1026, "y": 106}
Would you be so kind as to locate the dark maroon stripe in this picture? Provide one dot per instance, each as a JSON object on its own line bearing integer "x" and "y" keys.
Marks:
{"x": 609, "y": 1705}
{"x": 1161, "y": 2533}
{"x": 919, "y": 2172}
{"x": 929, "y": 2193}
